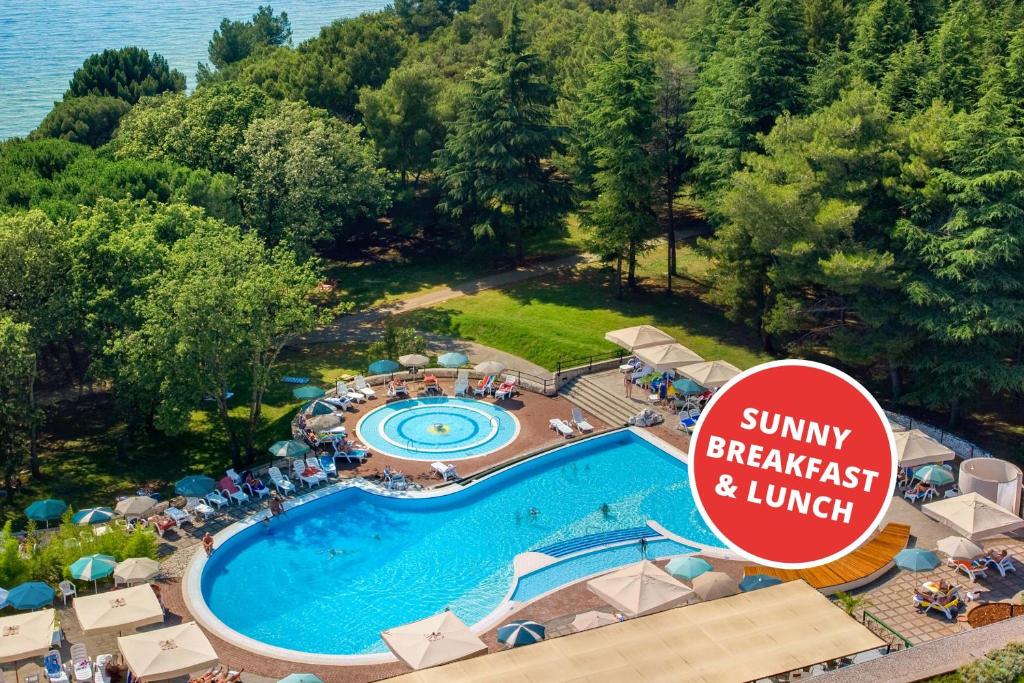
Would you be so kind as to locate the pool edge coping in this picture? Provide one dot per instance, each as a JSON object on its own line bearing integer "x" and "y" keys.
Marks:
{"x": 191, "y": 580}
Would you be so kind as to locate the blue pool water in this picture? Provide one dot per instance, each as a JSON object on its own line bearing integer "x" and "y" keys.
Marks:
{"x": 331, "y": 574}
{"x": 437, "y": 428}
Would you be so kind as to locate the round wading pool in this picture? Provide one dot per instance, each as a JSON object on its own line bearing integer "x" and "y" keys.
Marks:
{"x": 437, "y": 428}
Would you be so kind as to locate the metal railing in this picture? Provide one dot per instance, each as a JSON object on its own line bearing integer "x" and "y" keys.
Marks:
{"x": 962, "y": 447}
{"x": 893, "y": 639}
{"x": 588, "y": 361}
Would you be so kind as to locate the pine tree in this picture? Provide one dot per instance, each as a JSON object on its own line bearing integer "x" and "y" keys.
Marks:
{"x": 882, "y": 29}
{"x": 493, "y": 166}
{"x": 902, "y": 84}
{"x": 958, "y": 55}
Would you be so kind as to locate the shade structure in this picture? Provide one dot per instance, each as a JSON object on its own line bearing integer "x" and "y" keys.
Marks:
{"x": 756, "y": 582}
{"x": 489, "y": 367}
{"x": 46, "y": 510}
{"x": 915, "y": 448}
{"x": 435, "y": 640}
{"x": 93, "y": 567}
{"x": 593, "y": 619}
{"x": 710, "y": 374}
{"x": 93, "y": 516}
{"x": 289, "y": 449}
{"x": 518, "y": 633}
{"x": 959, "y": 547}
{"x": 452, "y": 359}
{"x": 973, "y": 516}
{"x": 715, "y": 585}
{"x": 916, "y": 559}
{"x": 300, "y": 678}
{"x": 667, "y": 356}
{"x": 413, "y": 360}
{"x": 382, "y": 367}
{"x": 324, "y": 423}
{"x": 688, "y": 567}
{"x": 307, "y": 392}
{"x": 118, "y": 611}
{"x": 194, "y": 485}
{"x": 23, "y": 636}
{"x": 136, "y": 569}
{"x": 638, "y": 337}
{"x": 639, "y": 588}
{"x": 135, "y": 506}
{"x": 319, "y": 408}
{"x": 935, "y": 475}
{"x": 745, "y": 637}
{"x": 167, "y": 652}
{"x": 30, "y": 595}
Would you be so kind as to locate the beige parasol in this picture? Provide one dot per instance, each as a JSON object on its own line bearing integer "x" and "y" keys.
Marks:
{"x": 593, "y": 619}
{"x": 973, "y": 516}
{"x": 640, "y": 588}
{"x": 136, "y": 569}
{"x": 633, "y": 338}
{"x": 435, "y": 640}
{"x": 714, "y": 585}
{"x": 167, "y": 652}
{"x": 489, "y": 367}
{"x": 667, "y": 356}
{"x": 324, "y": 423}
{"x": 915, "y": 448}
{"x": 119, "y": 610}
{"x": 413, "y": 360}
{"x": 959, "y": 547}
{"x": 711, "y": 374}
{"x": 135, "y": 506}
{"x": 26, "y": 635}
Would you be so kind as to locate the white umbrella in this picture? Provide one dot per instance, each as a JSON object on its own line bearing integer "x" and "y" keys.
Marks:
{"x": 119, "y": 610}
{"x": 26, "y": 635}
{"x": 324, "y": 423}
{"x": 959, "y": 547}
{"x": 973, "y": 516}
{"x": 714, "y": 585}
{"x": 167, "y": 652}
{"x": 136, "y": 569}
{"x": 593, "y": 619}
{"x": 667, "y": 356}
{"x": 135, "y": 506}
{"x": 489, "y": 367}
{"x": 915, "y": 448}
{"x": 711, "y": 374}
{"x": 435, "y": 640}
{"x": 640, "y": 588}
{"x": 633, "y": 338}
{"x": 413, "y": 360}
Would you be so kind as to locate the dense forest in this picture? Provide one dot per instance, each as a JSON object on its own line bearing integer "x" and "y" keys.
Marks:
{"x": 859, "y": 163}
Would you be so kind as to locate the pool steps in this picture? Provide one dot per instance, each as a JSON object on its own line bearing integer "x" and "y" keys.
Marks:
{"x": 590, "y": 541}
{"x": 591, "y": 397}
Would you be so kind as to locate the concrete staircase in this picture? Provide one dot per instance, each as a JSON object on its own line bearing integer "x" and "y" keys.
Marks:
{"x": 598, "y": 401}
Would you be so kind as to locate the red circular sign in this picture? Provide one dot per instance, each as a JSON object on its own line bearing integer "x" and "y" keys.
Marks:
{"x": 793, "y": 464}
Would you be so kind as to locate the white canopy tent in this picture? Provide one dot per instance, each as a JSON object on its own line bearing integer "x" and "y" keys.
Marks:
{"x": 641, "y": 336}
{"x": 435, "y": 640}
{"x": 167, "y": 652}
{"x": 972, "y": 516}
{"x": 667, "y": 356}
{"x": 26, "y": 635}
{"x": 640, "y": 588}
{"x": 915, "y": 448}
{"x": 120, "y": 610}
{"x": 711, "y": 374}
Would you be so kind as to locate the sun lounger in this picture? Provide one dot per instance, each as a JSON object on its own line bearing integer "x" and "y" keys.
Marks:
{"x": 100, "y": 675}
{"x": 162, "y": 524}
{"x": 1002, "y": 566}
{"x": 231, "y": 491}
{"x": 580, "y": 422}
{"x": 395, "y": 481}
{"x": 307, "y": 475}
{"x": 54, "y": 667}
{"x": 948, "y": 605}
{"x": 80, "y": 663}
{"x": 196, "y": 506}
{"x": 351, "y": 394}
{"x": 179, "y": 516}
{"x": 461, "y": 387}
{"x": 256, "y": 489}
{"x": 397, "y": 389}
{"x": 642, "y": 372}
{"x": 217, "y": 499}
{"x": 282, "y": 483}
{"x": 560, "y": 426}
{"x": 506, "y": 390}
{"x": 646, "y": 418}
{"x": 363, "y": 387}
{"x": 445, "y": 470}
{"x": 327, "y": 465}
{"x": 484, "y": 386}
{"x": 971, "y": 569}
{"x": 688, "y": 419}
{"x": 342, "y": 402}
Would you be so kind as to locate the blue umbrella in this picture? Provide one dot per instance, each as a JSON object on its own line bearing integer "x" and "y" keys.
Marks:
{"x": 383, "y": 367}
{"x": 93, "y": 567}
{"x": 45, "y": 510}
{"x": 757, "y": 581}
{"x": 307, "y": 392}
{"x": 300, "y": 678}
{"x": 936, "y": 475}
{"x": 916, "y": 559}
{"x": 687, "y": 386}
{"x": 516, "y": 633}
{"x": 194, "y": 486}
{"x": 452, "y": 359}
{"x": 31, "y": 595}
{"x": 688, "y": 568}
{"x": 93, "y": 516}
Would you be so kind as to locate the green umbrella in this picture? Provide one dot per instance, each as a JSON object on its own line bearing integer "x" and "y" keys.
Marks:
{"x": 452, "y": 359}
{"x": 45, "y": 510}
{"x": 687, "y": 386}
{"x": 936, "y": 475}
{"x": 687, "y": 568}
{"x": 289, "y": 449}
{"x": 194, "y": 486}
{"x": 307, "y": 392}
{"x": 383, "y": 367}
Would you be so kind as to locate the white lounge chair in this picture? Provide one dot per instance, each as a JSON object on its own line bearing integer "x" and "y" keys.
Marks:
{"x": 445, "y": 470}
{"x": 642, "y": 372}
{"x": 101, "y": 669}
{"x": 299, "y": 468}
{"x": 216, "y": 499}
{"x": 1002, "y": 566}
{"x": 343, "y": 402}
{"x": 363, "y": 387}
{"x": 350, "y": 394}
{"x": 461, "y": 387}
{"x": 81, "y": 665}
{"x": 231, "y": 491}
{"x": 195, "y": 506}
{"x": 580, "y": 422}
{"x": 327, "y": 466}
{"x": 260, "y": 491}
{"x": 483, "y": 387}
{"x": 282, "y": 483}
{"x": 54, "y": 667}
{"x": 233, "y": 476}
{"x": 968, "y": 568}
{"x": 507, "y": 389}
{"x": 560, "y": 426}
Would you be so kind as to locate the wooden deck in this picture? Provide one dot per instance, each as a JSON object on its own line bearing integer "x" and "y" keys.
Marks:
{"x": 863, "y": 563}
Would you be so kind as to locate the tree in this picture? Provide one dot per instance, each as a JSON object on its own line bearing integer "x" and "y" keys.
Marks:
{"x": 306, "y": 177}
{"x": 396, "y": 341}
{"x": 216, "y": 321}
{"x": 129, "y": 73}
{"x": 90, "y": 120}
{"x": 493, "y": 166}
{"x": 882, "y": 29}
{"x": 827, "y": 24}
{"x": 236, "y": 40}
{"x": 17, "y": 416}
{"x": 621, "y": 118}
{"x": 423, "y": 17}
{"x": 958, "y": 54}
{"x": 851, "y": 603}
{"x": 403, "y": 120}
{"x": 906, "y": 72}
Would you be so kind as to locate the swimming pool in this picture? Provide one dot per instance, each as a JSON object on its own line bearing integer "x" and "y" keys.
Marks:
{"x": 332, "y": 573}
{"x": 437, "y": 428}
